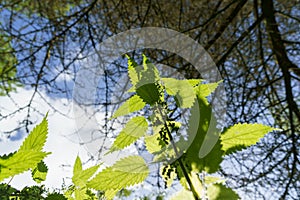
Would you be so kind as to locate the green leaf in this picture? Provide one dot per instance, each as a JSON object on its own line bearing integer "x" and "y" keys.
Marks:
{"x": 130, "y": 90}
{"x": 183, "y": 194}
{"x": 148, "y": 87}
{"x": 69, "y": 192}
{"x": 133, "y": 71}
{"x": 6, "y": 191}
{"x": 194, "y": 82}
{"x": 39, "y": 173}
{"x": 55, "y": 196}
{"x": 110, "y": 194}
{"x": 124, "y": 193}
{"x": 220, "y": 192}
{"x": 125, "y": 172}
{"x": 168, "y": 173}
{"x": 6, "y": 156}
{"x": 29, "y": 155}
{"x": 182, "y": 90}
{"x": 80, "y": 193}
{"x": 196, "y": 183}
{"x": 204, "y": 90}
{"x": 37, "y": 137}
{"x": 147, "y": 64}
{"x": 159, "y": 142}
{"x": 81, "y": 177}
{"x": 133, "y": 104}
{"x": 153, "y": 143}
{"x": 203, "y": 123}
{"x": 149, "y": 92}
{"x": 213, "y": 179}
{"x": 20, "y": 162}
{"x": 240, "y": 136}
{"x": 133, "y": 130}
{"x": 77, "y": 166}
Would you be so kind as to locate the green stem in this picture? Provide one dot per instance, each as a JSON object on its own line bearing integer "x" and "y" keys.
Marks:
{"x": 185, "y": 173}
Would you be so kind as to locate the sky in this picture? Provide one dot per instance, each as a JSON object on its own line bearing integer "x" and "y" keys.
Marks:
{"x": 63, "y": 145}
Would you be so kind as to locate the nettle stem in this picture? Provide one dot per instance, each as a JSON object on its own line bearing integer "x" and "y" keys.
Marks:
{"x": 184, "y": 171}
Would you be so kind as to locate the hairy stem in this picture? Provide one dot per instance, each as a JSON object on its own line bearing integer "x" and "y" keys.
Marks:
{"x": 184, "y": 171}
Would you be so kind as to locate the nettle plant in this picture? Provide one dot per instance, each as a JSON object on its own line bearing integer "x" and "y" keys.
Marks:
{"x": 162, "y": 138}
{"x": 173, "y": 144}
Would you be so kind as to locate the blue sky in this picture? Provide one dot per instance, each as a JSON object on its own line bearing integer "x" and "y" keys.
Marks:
{"x": 63, "y": 146}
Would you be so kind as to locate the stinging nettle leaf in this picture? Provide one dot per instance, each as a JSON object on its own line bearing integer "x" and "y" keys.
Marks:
{"x": 132, "y": 73}
{"x": 29, "y": 155}
{"x": 240, "y": 136}
{"x": 39, "y": 173}
{"x": 6, "y": 156}
{"x": 204, "y": 90}
{"x": 202, "y": 125}
{"x": 194, "y": 82}
{"x": 149, "y": 92}
{"x": 133, "y": 130}
{"x": 168, "y": 173}
{"x": 182, "y": 90}
{"x": 148, "y": 87}
{"x": 152, "y": 143}
{"x": 80, "y": 193}
{"x": 134, "y": 103}
{"x": 110, "y": 194}
{"x": 150, "y": 73}
{"x": 36, "y": 138}
{"x": 209, "y": 180}
{"x": 20, "y": 162}
{"x": 183, "y": 194}
{"x": 220, "y": 192}
{"x": 159, "y": 142}
{"x": 125, "y": 172}
{"x": 77, "y": 166}
{"x": 81, "y": 177}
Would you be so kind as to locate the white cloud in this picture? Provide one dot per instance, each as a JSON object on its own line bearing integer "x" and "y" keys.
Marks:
{"x": 63, "y": 145}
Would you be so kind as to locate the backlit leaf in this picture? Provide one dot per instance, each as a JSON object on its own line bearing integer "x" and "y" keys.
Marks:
{"x": 149, "y": 92}
{"x": 133, "y": 104}
{"x": 37, "y": 137}
{"x": 29, "y": 155}
{"x": 133, "y": 72}
{"x": 20, "y": 162}
{"x": 220, "y": 192}
{"x": 182, "y": 90}
{"x": 81, "y": 177}
{"x": 77, "y": 166}
{"x": 240, "y": 136}
{"x": 152, "y": 143}
{"x": 133, "y": 130}
{"x": 183, "y": 194}
{"x": 125, "y": 172}
{"x": 39, "y": 173}
{"x": 202, "y": 126}
{"x": 205, "y": 90}
{"x": 148, "y": 87}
